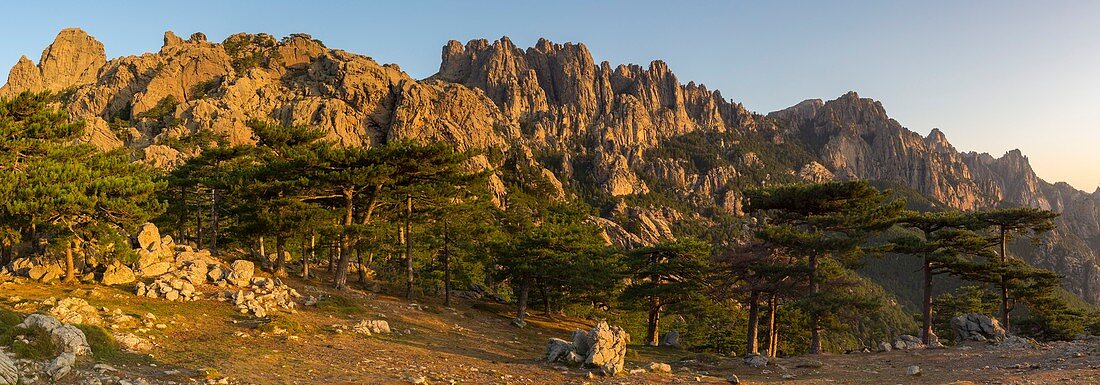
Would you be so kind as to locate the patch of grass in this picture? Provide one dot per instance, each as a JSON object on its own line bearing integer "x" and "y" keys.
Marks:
{"x": 36, "y": 343}
{"x": 8, "y": 319}
{"x": 104, "y": 346}
{"x": 291, "y": 327}
{"x": 338, "y": 304}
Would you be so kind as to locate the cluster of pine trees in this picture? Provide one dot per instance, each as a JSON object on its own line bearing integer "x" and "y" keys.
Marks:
{"x": 423, "y": 219}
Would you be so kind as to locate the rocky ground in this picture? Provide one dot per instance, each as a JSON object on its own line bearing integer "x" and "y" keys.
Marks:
{"x": 210, "y": 341}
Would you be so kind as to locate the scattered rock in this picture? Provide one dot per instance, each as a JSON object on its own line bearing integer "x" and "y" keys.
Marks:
{"x": 659, "y": 367}
{"x": 756, "y": 360}
{"x": 907, "y": 342}
{"x": 913, "y": 370}
{"x": 61, "y": 366}
{"x": 372, "y": 327}
{"x": 732, "y": 378}
{"x": 518, "y": 323}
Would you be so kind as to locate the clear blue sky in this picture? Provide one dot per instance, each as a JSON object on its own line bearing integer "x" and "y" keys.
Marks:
{"x": 993, "y": 75}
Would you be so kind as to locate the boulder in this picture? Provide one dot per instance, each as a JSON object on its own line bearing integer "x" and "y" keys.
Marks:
{"x": 48, "y": 272}
{"x": 43, "y": 321}
{"x": 557, "y": 348}
{"x": 372, "y": 327}
{"x": 756, "y": 360}
{"x": 913, "y": 370}
{"x": 70, "y": 339}
{"x": 9, "y": 374}
{"x": 240, "y": 273}
{"x": 155, "y": 269}
{"x": 659, "y": 367}
{"x": 60, "y": 366}
{"x": 582, "y": 342}
{"x": 117, "y": 274}
{"x": 907, "y": 342}
{"x": 608, "y": 351}
{"x": 977, "y": 327}
{"x": 148, "y": 237}
{"x": 671, "y": 339}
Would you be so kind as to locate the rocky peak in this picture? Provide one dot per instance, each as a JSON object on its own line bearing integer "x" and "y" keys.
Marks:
{"x": 171, "y": 40}
{"x": 74, "y": 58}
{"x": 938, "y": 141}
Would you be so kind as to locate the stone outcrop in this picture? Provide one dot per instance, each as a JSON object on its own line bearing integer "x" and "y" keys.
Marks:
{"x": 70, "y": 341}
{"x": 977, "y": 327}
{"x": 9, "y": 374}
{"x": 602, "y": 348}
{"x": 74, "y": 59}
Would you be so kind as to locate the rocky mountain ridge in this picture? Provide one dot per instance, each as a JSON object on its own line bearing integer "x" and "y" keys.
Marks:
{"x": 657, "y": 157}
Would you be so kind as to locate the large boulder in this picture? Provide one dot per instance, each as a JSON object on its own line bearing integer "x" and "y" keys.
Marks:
{"x": 9, "y": 374}
{"x": 70, "y": 339}
{"x": 977, "y": 327}
{"x": 43, "y": 321}
{"x": 240, "y": 273}
{"x": 148, "y": 237}
{"x": 117, "y": 274}
{"x": 557, "y": 348}
{"x": 608, "y": 348}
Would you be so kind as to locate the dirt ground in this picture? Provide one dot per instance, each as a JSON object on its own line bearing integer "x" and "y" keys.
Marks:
{"x": 472, "y": 343}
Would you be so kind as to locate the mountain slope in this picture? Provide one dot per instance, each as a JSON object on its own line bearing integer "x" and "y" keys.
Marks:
{"x": 659, "y": 158}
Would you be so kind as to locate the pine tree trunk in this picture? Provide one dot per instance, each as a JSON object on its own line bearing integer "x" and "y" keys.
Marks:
{"x": 772, "y": 332}
{"x": 263, "y": 251}
{"x": 308, "y": 257}
{"x": 521, "y": 301}
{"x": 214, "y": 221}
{"x": 408, "y": 247}
{"x": 340, "y": 280}
{"x": 446, "y": 265}
{"x": 926, "y": 325}
{"x": 1005, "y": 318}
{"x": 280, "y": 256}
{"x": 815, "y": 324}
{"x": 359, "y": 264}
{"x": 545, "y": 299}
{"x": 198, "y": 219}
{"x": 70, "y": 269}
{"x": 754, "y": 324}
{"x": 653, "y": 324}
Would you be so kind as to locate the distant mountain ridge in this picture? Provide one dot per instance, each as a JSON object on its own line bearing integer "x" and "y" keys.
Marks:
{"x": 658, "y": 157}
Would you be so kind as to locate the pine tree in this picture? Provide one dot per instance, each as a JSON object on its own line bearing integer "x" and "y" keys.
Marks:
{"x": 947, "y": 242}
{"x": 1009, "y": 223}
{"x": 71, "y": 188}
{"x": 665, "y": 275}
{"x": 829, "y": 220}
